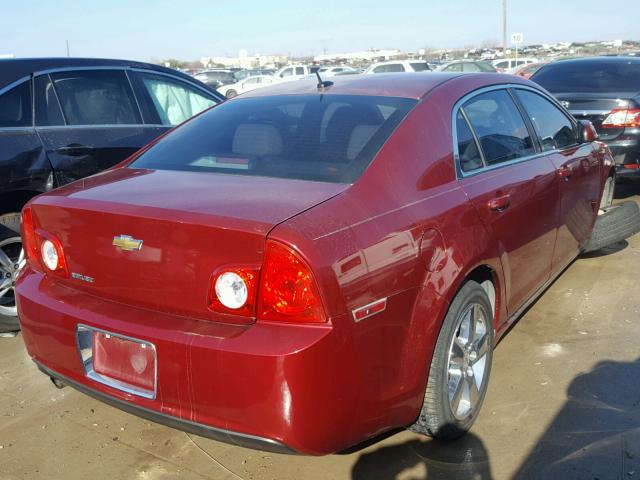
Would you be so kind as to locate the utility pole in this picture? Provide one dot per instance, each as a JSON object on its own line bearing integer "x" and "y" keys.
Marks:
{"x": 504, "y": 27}
{"x": 68, "y": 48}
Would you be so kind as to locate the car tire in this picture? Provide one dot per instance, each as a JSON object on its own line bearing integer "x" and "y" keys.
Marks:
{"x": 461, "y": 360}
{"x": 10, "y": 249}
{"x": 616, "y": 223}
{"x": 231, "y": 93}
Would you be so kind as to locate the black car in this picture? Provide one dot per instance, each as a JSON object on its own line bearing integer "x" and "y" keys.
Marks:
{"x": 605, "y": 90}
{"x": 62, "y": 119}
{"x": 216, "y": 78}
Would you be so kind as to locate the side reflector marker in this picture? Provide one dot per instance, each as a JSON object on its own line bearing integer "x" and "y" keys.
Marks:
{"x": 369, "y": 310}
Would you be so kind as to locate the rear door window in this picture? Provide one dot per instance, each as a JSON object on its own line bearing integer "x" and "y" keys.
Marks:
{"x": 553, "y": 127}
{"x": 97, "y": 97}
{"x": 47, "y": 107}
{"x": 173, "y": 100}
{"x": 15, "y": 106}
{"x": 499, "y": 126}
{"x": 323, "y": 138}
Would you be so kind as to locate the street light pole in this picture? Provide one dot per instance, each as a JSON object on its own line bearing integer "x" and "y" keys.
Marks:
{"x": 504, "y": 27}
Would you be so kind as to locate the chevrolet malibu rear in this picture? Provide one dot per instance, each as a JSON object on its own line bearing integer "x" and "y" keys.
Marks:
{"x": 306, "y": 266}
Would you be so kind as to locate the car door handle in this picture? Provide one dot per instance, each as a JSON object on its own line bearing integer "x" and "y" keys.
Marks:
{"x": 564, "y": 172}
{"x": 500, "y": 203}
{"x": 75, "y": 150}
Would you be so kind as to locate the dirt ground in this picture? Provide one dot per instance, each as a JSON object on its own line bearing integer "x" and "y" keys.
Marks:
{"x": 563, "y": 402}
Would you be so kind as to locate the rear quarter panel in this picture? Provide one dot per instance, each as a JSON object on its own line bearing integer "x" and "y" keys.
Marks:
{"x": 404, "y": 231}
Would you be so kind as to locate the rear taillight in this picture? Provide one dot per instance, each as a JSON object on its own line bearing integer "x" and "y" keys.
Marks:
{"x": 29, "y": 242}
{"x": 233, "y": 290}
{"x": 288, "y": 291}
{"x": 44, "y": 251}
{"x": 622, "y": 117}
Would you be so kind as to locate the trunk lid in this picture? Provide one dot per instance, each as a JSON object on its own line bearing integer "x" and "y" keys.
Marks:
{"x": 190, "y": 225}
{"x": 596, "y": 107}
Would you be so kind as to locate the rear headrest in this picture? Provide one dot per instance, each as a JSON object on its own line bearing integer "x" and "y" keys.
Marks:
{"x": 359, "y": 137}
{"x": 256, "y": 139}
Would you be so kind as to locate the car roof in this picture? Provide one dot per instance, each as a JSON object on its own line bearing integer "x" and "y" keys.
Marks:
{"x": 406, "y": 85}
{"x": 12, "y": 69}
{"x": 595, "y": 60}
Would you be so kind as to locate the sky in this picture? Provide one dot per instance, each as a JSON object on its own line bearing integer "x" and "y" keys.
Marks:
{"x": 189, "y": 29}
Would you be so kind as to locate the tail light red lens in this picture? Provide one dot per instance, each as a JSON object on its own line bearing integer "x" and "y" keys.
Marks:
{"x": 29, "y": 242}
{"x": 288, "y": 291}
{"x": 622, "y": 117}
{"x": 41, "y": 247}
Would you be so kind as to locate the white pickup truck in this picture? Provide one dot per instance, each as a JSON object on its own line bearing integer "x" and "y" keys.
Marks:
{"x": 293, "y": 72}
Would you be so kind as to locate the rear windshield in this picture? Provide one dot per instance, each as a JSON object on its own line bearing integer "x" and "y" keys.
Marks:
{"x": 330, "y": 138}
{"x": 569, "y": 77}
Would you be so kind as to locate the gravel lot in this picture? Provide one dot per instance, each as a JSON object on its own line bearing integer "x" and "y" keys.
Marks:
{"x": 563, "y": 402}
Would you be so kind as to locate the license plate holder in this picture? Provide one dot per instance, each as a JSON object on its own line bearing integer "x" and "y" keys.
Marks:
{"x": 118, "y": 361}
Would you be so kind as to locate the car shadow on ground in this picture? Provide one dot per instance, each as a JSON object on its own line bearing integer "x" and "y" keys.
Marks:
{"x": 463, "y": 459}
{"x": 596, "y": 434}
{"x": 608, "y": 250}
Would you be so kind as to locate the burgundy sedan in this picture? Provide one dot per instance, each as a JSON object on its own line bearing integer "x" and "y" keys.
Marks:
{"x": 303, "y": 267}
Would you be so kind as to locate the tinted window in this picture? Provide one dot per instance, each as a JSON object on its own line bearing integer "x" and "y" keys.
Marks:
{"x": 590, "y": 76}
{"x": 420, "y": 67}
{"x": 504, "y": 64}
{"x": 96, "y": 98}
{"x": 299, "y": 71}
{"x": 15, "y": 106}
{"x": 553, "y": 127}
{"x": 468, "y": 153}
{"x": 174, "y": 101}
{"x": 48, "y": 111}
{"x": 287, "y": 72}
{"x": 326, "y": 138}
{"x": 499, "y": 126}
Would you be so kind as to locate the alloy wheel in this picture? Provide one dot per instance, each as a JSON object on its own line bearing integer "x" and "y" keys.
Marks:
{"x": 468, "y": 361}
{"x": 12, "y": 261}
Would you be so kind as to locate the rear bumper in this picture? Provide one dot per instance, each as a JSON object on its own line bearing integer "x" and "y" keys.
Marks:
{"x": 279, "y": 387}
{"x": 240, "y": 439}
{"x": 626, "y": 152}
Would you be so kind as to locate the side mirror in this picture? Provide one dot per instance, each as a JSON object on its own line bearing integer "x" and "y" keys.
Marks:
{"x": 586, "y": 131}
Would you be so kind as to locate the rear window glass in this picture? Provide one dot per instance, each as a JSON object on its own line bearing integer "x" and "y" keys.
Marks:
{"x": 590, "y": 77}
{"x": 330, "y": 138}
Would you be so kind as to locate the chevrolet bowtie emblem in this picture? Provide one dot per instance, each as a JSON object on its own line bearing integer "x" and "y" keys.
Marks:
{"x": 127, "y": 243}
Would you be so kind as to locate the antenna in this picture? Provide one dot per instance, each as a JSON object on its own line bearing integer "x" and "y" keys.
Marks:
{"x": 322, "y": 84}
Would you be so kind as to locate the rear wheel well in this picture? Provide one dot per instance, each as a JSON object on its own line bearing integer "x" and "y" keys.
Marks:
{"x": 14, "y": 201}
{"x": 485, "y": 276}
